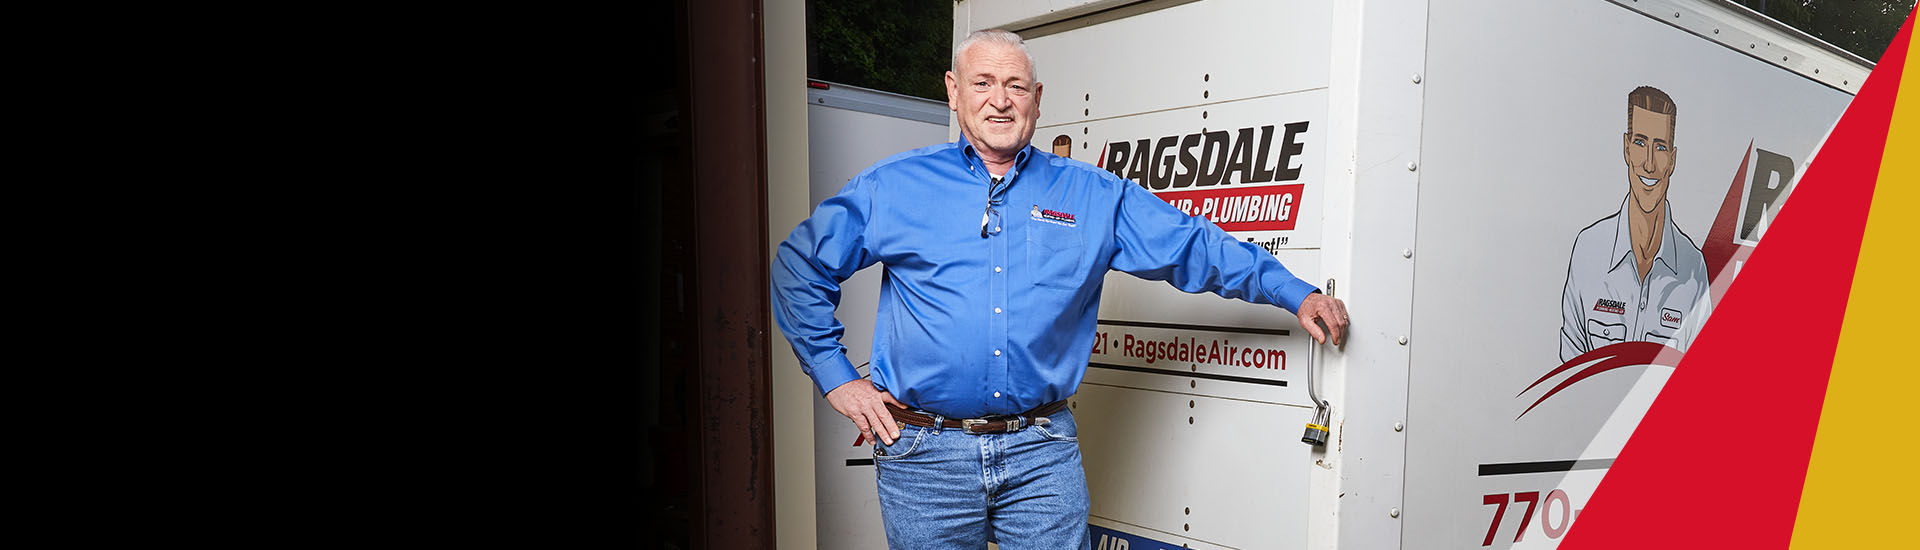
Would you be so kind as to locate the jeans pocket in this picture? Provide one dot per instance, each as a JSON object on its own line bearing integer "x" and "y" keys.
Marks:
{"x": 1051, "y": 434}
{"x": 1059, "y": 427}
{"x": 903, "y": 447}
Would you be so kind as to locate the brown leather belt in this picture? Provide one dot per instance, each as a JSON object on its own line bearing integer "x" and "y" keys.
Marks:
{"x": 1000, "y": 423}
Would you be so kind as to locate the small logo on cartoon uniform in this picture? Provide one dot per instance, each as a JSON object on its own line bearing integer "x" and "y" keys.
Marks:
{"x": 1053, "y": 216}
{"x": 1670, "y": 318}
{"x": 1615, "y": 307}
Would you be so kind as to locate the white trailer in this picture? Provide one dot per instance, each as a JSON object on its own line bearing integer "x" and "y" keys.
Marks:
{"x": 1432, "y": 163}
{"x": 848, "y": 129}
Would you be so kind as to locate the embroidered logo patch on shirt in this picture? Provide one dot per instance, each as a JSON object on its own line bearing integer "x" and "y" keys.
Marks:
{"x": 1053, "y": 216}
{"x": 1615, "y": 307}
{"x": 1670, "y": 318}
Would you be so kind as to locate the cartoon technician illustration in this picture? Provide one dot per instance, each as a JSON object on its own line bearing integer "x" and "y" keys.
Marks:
{"x": 1634, "y": 276}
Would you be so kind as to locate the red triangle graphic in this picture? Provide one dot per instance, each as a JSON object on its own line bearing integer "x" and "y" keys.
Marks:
{"x": 1720, "y": 247}
{"x": 1720, "y": 458}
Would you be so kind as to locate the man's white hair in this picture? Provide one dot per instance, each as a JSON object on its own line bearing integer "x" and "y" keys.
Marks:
{"x": 995, "y": 36}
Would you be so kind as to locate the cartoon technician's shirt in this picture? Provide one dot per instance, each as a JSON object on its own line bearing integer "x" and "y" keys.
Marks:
{"x": 1605, "y": 301}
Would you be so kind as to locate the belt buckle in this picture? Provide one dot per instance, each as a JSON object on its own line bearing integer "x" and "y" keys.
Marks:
{"x": 978, "y": 425}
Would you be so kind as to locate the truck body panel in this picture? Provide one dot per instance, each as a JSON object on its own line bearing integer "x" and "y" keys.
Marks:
{"x": 1432, "y": 163}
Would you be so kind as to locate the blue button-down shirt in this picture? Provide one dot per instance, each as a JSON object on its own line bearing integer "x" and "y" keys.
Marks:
{"x": 968, "y": 325}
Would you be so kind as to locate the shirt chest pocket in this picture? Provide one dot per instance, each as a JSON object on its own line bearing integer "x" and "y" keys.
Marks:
{"x": 1603, "y": 334}
{"x": 1056, "y": 254}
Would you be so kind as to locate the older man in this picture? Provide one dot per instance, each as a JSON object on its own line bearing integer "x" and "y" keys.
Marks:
{"x": 995, "y": 253}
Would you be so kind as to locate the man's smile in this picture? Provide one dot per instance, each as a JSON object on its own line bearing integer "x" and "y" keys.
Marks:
{"x": 1000, "y": 120}
{"x": 1649, "y": 182}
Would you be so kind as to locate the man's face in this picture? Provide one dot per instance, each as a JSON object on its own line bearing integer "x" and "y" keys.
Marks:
{"x": 1650, "y": 155}
{"x": 995, "y": 98}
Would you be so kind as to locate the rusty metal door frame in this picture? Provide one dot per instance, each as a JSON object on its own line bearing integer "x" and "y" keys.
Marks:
{"x": 726, "y": 122}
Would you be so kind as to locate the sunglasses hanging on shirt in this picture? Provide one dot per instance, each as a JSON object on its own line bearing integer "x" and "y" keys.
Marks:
{"x": 991, "y": 214}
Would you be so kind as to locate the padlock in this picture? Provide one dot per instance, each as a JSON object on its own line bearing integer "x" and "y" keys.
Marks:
{"x": 1316, "y": 435}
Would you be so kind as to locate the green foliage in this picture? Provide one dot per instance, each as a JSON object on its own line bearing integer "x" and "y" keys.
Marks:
{"x": 904, "y": 46}
{"x": 1863, "y": 27}
{"x": 899, "y": 46}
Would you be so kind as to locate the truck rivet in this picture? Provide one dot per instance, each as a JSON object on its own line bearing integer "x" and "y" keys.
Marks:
{"x": 1403, "y": 339}
{"x": 1406, "y": 253}
{"x": 1399, "y": 427}
{"x": 1416, "y": 78}
{"x": 1394, "y": 512}
{"x": 1411, "y": 166}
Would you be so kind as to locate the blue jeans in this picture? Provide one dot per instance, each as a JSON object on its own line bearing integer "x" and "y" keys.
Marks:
{"x": 945, "y": 488}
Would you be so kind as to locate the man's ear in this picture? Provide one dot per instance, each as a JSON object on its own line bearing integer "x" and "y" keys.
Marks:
{"x": 953, "y": 93}
{"x": 1673, "y": 158}
{"x": 1626, "y": 147}
{"x": 1037, "y": 88}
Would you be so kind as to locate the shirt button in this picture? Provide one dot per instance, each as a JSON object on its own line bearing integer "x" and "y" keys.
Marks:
{"x": 996, "y": 394}
{"x": 996, "y": 269}
{"x": 996, "y": 310}
{"x": 996, "y": 229}
{"x": 996, "y": 353}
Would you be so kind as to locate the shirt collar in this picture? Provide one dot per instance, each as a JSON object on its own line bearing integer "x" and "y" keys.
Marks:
{"x": 974, "y": 162}
{"x": 1623, "y": 238}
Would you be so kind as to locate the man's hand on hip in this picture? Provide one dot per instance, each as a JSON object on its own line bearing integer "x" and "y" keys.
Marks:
{"x": 1326, "y": 309}
{"x": 866, "y": 406}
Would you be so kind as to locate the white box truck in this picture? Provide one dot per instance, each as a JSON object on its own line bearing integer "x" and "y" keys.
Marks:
{"x": 848, "y": 129}
{"x": 1465, "y": 174}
